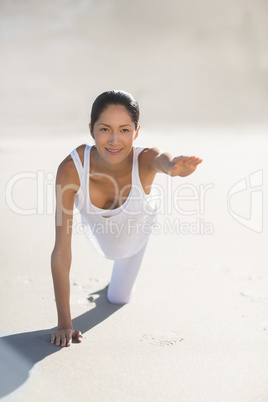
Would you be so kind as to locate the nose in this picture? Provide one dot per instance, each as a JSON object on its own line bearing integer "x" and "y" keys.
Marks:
{"x": 113, "y": 138}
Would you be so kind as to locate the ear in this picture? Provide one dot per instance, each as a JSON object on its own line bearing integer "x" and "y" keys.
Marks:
{"x": 91, "y": 131}
{"x": 137, "y": 132}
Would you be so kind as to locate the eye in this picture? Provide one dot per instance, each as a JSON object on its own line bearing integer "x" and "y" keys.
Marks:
{"x": 104, "y": 129}
{"x": 125, "y": 130}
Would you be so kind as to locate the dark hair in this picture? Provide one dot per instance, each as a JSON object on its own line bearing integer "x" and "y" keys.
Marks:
{"x": 115, "y": 98}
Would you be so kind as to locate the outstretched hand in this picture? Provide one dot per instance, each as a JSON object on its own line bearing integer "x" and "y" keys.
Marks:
{"x": 63, "y": 337}
{"x": 184, "y": 165}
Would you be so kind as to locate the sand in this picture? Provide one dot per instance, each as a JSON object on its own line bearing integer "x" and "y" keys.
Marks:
{"x": 196, "y": 329}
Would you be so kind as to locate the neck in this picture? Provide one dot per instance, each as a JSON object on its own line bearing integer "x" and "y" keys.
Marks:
{"x": 117, "y": 169}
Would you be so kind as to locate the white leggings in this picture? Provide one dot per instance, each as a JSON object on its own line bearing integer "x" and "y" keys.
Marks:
{"x": 124, "y": 274}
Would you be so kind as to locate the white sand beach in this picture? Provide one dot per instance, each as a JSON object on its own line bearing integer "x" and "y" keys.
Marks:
{"x": 196, "y": 329}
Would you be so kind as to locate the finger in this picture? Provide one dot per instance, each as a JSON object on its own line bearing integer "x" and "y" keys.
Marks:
{"x": 188, "y": 161}
{"x": 78, "y": 335}
{"x": 63, "y": 340}
{"x": 68, "y": 340}
{"x": 194, "y": 160}
{"x": 58, "y": 339}
{"x": 197, "y": 161}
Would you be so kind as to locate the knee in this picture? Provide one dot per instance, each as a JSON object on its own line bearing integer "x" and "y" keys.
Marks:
{"x": 117, "y": 300}
{"x": 117, "y": 297}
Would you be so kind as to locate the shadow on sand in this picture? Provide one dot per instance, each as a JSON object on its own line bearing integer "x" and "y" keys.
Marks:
{"x": 20, "y": 352}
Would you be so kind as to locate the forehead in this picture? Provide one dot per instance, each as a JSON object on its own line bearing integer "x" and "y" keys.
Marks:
{"x": 115, "y": 114}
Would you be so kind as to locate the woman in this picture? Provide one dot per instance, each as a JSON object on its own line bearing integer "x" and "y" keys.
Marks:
{"x": 110, "y": 183}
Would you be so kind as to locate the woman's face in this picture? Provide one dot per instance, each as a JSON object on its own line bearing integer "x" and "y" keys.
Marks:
{"x": 114, "y": 133}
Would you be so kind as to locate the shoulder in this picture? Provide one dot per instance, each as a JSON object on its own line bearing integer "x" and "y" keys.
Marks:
{"x": 151, "y": 152}
{"x": 81, "y": 151}
{"x": 67, "y": 173}
{"x": 148, "y": 156}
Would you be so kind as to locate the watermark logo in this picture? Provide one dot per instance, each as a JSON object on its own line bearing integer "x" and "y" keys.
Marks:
{"x": 167, "y": 227}
{"x": 42, "y": 203}
{"x": 182, "y": 205}
{"x": 250, "y": 190}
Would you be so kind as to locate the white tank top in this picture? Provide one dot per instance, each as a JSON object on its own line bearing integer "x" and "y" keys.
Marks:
{"x": 120, "y": 232}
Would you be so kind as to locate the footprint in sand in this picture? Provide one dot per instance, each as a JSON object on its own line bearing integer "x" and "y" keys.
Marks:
{"x": 166, "y": 338}
{"x": 88, "y": 300}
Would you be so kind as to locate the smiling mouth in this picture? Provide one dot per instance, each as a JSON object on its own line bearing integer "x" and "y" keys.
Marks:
{"x": 113, "y": 151}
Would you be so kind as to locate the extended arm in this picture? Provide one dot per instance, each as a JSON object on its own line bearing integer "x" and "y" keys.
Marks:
{"x": 61, "y": 256}
{"x": 173, "y": 166}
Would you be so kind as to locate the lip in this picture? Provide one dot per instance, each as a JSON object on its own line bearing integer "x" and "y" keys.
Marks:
{"x": 113, "y": 151}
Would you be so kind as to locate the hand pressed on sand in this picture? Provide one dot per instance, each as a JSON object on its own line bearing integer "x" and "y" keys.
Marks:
{"x": 64, "y": 336}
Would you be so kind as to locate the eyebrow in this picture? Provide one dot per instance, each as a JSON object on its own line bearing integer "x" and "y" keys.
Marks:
{"x": 107, "y": 125}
